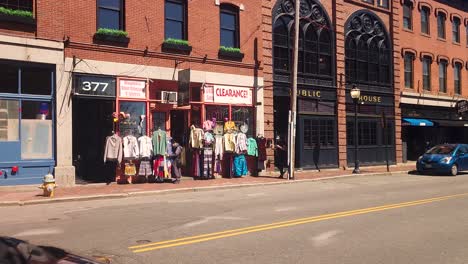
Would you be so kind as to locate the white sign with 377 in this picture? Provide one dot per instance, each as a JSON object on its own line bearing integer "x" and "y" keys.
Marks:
{"x": 132, "y": 89}
{"x": 228, "y": 94}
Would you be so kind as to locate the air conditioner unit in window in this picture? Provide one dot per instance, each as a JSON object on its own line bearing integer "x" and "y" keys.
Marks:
{"x": 169, "y": 97}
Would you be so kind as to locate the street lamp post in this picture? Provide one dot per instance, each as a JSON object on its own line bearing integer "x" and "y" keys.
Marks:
{"x": 355, "y": 94}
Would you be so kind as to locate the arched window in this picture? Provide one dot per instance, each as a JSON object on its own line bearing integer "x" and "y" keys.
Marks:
{"x": 315, "y": 39}
{"x": 367, "y": 52}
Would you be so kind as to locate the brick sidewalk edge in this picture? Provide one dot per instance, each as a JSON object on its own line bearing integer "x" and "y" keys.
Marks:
{"x": 181, "y": 190}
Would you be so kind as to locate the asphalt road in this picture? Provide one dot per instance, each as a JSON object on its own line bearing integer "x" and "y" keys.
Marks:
{"x": 366, "y": 219}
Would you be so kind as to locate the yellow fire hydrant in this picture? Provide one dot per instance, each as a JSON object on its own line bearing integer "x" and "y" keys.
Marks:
{"x": 48, "y": 185}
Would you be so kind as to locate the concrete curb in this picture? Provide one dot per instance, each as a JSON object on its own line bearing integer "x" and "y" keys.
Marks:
{"x": 182, "y": 190}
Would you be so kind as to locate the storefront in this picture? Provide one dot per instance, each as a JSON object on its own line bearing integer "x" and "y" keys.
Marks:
{"x": 27, "y": 122}
{"x": 424, "y": 126}
{"x": 376, "y": 128}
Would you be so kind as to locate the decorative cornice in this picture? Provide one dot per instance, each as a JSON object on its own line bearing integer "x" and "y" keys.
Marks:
{"x": 453, "y": 15}
{"x": 442, "y": 57}
{"x": 441, "y": 10}
{"x": 409, "y": 50}
{"x": 457, "y": 60}
{"x": 423, "y": 54}
{"x": 422, "y": 4}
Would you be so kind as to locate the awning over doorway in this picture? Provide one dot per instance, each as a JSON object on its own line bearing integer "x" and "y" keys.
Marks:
{"x": 417, "y": 122}
{"x": 451, "y": 123}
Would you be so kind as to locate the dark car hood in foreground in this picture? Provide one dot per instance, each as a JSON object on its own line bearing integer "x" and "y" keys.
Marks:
{"x": 15, "y": 251}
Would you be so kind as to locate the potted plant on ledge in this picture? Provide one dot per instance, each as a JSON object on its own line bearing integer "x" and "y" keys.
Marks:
{"x": 111, "y": 35}
{"x": 230, "y": 53}
{"x": 17, "y": 16}
{"x": 176, "y": 46}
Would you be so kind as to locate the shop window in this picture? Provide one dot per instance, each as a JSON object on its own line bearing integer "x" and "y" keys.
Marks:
{"x": 407, "y": 15}
{"x": 441, "y": 25}
{"x": 229, "y": 33}
{"x": 457, "y": 78}
{"x": 195, "y": 94}
{"x": 349, "y": 133}
{"x": 456, "y": 30}
{"x": 311, "y": 51}
{"x": 319, "y": 132}
{"x": 159, "y": 121}
{"x": 350, "y": 66}
{"x": 426, "y": 62}
{"x": 325, "y": 53}
{"x": 110, "y": 14}
{"x": 8, "y": 78}
{"x": 195, "y": 115}
{"x": 175, "y": 23}
{"x": 25, "y": 5}
{"x": 36, "y": 130}
{"x": 362, "y": 61}
{"x": 135, "y": 123}
{"x": 443, "y": 76}
{"x": 218, "y": 112}
{"x": 367, "y": 132}
{"x": 36, "y": 80}
{"x": 383, "y": 3}
{"x": 425, "y": 25}
{"x": 9, "y": 120}
{"x": 243, "y": 115}
{"x": 409, "y": 70}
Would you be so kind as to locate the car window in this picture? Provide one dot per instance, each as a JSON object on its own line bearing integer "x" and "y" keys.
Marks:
{"x": 463, "y": 149}
{"x": 442, "y": 149}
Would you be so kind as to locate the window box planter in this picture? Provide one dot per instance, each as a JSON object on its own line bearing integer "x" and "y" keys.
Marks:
{"x": 174, "y": 47}
{"x": 17, "y": 19}
{"x": 111, "y": 36}
{"x": 230, "y": 54}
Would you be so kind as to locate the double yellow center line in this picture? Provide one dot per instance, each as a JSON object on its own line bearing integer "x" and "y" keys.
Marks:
{"x": 300, "y": 221}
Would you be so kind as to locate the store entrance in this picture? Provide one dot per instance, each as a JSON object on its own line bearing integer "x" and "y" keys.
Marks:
{"x": 179, "y": 126}
{"x": 92, "y": 123}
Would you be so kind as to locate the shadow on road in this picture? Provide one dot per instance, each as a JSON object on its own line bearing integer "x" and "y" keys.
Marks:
{"x": 16, "y": 251}
{"x": 433, "y": 174}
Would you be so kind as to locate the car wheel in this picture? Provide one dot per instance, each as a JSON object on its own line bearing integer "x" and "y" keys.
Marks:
{"x": 454, "y": 170}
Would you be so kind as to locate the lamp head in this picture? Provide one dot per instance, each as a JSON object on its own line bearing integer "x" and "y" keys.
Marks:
{"x": 355, "y": 92}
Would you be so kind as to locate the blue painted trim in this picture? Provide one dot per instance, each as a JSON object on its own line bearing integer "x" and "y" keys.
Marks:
{"x": 28, "y": 163}
{"x": 418, "y": 122}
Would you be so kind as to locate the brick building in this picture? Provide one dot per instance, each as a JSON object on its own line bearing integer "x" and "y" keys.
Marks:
{"x": 343, "y": 43}
{"x": 433, "y": 62}
{"x": 148, "y": 51}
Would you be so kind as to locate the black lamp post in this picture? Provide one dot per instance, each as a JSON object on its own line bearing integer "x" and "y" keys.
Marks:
{"x": 355, "y": 94}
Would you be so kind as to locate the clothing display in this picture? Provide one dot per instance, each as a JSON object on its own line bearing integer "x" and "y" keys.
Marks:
{"x": 159, "y": 142}
{"x": 218, "y": 130}
{"x": 208, "y": 125}
{"x": 261, "y": 145}
{"x": 145, "y": 168}
{"x": 113, "y": 149}
{"x": 252, "y": 149}
{"x": 207, "y": 162}
{"x": 219, "y": 149}
{"x": 196, "y": 137}
{"x": 240, "y": 166}
{"x": 158, "y": 167}
{"x": 241, "y": 143}
{"x": 209, "y": 139}
{"x": 130, "y": 169}
{"x": 146, "y": 147}
{"x": 229, "y": 126}
{"x": 130, "y": 147}
{"x": 229, "y": 142}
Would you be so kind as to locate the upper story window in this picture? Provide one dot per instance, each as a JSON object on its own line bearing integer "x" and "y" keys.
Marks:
{"x": 409, "y": 70}
{"x": 25, "y": 5}
{"x": 175, "y": 25}
{"x": 110, "y": 14}
{"x": 369, "y": 1}
{"x": 457, "y": 78}
{"x": 441, "y": 25}
{"x": 443, "y": 76}
{"x": 382, "y": 3}
{"x": 407, "y": 15}
{"x": 425, "y": 20}
{"x": 426, "y": 63}
{"x": 229, "y": 26}
{"x": 456, "y": 30}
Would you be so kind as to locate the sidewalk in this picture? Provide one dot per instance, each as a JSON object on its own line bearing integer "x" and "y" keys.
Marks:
{"x": 18, "y": 195}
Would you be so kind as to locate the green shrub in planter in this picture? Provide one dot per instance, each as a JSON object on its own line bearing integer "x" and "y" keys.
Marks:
{"x": 177, "y": 42}
{"x": 17, "y": 13}
{"x": 111, "y": 32}
{"x": 229, "y": 49}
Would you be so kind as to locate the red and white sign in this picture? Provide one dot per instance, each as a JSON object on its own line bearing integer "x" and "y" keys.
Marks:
{"x": 228, "y": 95}
{"x": 132, "y": 89}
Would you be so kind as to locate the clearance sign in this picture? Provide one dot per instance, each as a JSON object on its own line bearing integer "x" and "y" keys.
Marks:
{"x": 228, "y": 94}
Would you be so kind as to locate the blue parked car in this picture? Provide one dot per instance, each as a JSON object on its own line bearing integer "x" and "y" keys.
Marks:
{"x": 445, "y": 158}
